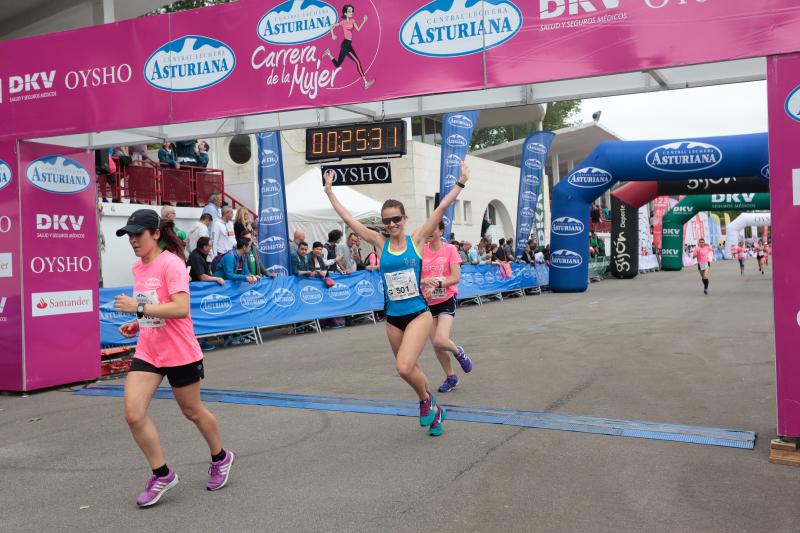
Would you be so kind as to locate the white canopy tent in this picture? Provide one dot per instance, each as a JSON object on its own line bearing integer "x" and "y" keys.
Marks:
{"x": 310, "y": 210}
{"x": 735, "y": 230}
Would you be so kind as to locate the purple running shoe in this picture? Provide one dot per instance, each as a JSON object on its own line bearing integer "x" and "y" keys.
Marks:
{"x": 156, "y": 487}
{"x": 449, "y": 383}
{"x": 219, "y": 471}
{"x": 463, "y": 360}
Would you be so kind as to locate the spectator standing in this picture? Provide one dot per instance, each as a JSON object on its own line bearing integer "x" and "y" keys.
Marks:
{"x": 254, "y": 258}
{"x": 222, "y": 235}
{"x": 539, "y": 257}
{"x": 319, "y": 263}
{"x": 301, "y": 262}
{"x": 344, "y": 254}
{"x": 527, "y": 255}
{"x": 138, "y": 153}
{"x": 200, "y": 229}
{"x": 242, "y": 223}
{"x": 214, "y": 206}
{"x": 331, "y": 258}
{"x": 199, "y": 269}
{"x": 299, "y": 236}
{"x": 472, "y": 254}
{"x": 168, "y": 214}
{"x": 186, "y": 152}
{"x": 508, "y": 249}
{"x": 167, "y": 157}
{"x": 499, "y": 251}
{"x": 202, "y": 154}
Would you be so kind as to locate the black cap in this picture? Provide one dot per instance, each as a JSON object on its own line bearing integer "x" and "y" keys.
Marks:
{"x": 139, "y": 221}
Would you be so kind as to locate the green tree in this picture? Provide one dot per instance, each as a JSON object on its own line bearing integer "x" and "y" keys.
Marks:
{"x": 559, "y": 115}
{"x": 182, "y": 5}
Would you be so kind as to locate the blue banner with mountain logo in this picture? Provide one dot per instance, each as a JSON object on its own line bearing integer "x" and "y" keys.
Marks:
{"x": 531, "y": 174}
{"x": 457, "y": 129}
{"x": 273, "y": 224}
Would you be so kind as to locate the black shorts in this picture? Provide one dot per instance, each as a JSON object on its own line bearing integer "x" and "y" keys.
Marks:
{"x": 447, "y": 307}
{"x": 401, "y": 322}
{"x": 741, "y": 262}
{"x": 178, "y": 376}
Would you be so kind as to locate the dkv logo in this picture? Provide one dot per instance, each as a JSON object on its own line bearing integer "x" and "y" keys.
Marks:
{"x": 672, "y": 232}
{"x": 58, "y": 174}
{"x": 215, "y": 304}
{"x": 297, "y": 21}
{"x": 684, "y": 156}
{"x": 683, "y": 209}
{"x": 565, "y": 259}
{"x": 567, "y": 226}
{"x": 448, "y": 28}
{"x": 5, "y": 174}
{"x": 190, "y": 63}
{"x": 590, "y": 178}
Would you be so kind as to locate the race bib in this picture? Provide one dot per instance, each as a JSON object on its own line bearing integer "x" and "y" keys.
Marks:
{"x": 703, "y": 266}
{"x": 438, "y": 294}
{"x": 401, "y": 285}
{"x": 149, "y": 297}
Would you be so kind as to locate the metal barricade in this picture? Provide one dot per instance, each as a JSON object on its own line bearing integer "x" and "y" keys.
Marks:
{"x": 207, "y": 182}
{"x": 141, "y": 184}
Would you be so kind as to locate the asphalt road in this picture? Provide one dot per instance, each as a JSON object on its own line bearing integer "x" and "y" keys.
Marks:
{"x": 654, "y": 348}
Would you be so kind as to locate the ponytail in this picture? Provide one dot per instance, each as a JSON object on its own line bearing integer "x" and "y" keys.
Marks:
{"x": 168, "y": 239}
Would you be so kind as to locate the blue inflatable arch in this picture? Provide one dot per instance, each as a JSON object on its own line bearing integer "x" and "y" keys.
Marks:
{"x": 613, "y": 161}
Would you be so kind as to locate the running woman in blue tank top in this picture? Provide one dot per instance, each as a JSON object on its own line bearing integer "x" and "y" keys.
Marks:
{"x": 408, "y": 319}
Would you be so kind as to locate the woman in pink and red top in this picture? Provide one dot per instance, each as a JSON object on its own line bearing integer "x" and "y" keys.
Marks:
{"x": 740, "y": 253}
{"x": 441, "y": 272}
{"x": 761, "y": 255}
{"x": 704, "y": 253}
{"x": 348, "y": 24}
{"x": 166, "y": 347}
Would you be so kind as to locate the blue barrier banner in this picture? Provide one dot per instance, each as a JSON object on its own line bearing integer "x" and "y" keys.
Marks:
{"x": 457, "y": 131}
{"x": 480, "y": 280}
{"x": 273, "y": 225}
{"x": 237, "y": 306}
{"x": 531, "y": 172}
{"x": 542, "y": 275}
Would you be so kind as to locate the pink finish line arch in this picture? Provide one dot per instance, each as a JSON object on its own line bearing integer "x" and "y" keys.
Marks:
{"x": 256, "y": 56}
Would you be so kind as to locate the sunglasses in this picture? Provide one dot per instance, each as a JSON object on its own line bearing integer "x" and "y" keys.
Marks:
{"x": 392, "y": 220}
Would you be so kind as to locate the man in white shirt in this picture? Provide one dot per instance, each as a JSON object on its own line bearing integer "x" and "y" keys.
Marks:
{"x": 538, "y": 257}
{"x": 214, "y": 206}
{"x": 223, "y": 238}
{"x": 200, "y": 229}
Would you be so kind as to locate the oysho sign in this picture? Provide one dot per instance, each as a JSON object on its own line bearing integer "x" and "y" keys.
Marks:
{"x": 58, "y": 174}
{"x": 361, "y": 174}
{"x": 447, "y": 28}
{"x": 684, "y": 156}
{"x": 297, "y": 21}
{"x": 190, "y": 63}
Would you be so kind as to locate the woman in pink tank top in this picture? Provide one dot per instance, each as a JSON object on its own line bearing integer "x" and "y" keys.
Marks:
{"x": 348, "y": 24}
{"x": 740, "y": 253}
{"x": 704, "y": 254}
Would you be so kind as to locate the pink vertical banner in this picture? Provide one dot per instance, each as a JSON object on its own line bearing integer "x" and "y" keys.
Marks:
{"x": 784, "y": 136}
{"x": 59, "y": 265}
{"x": 11, "y": 363}
{"x": 660, "y": 208}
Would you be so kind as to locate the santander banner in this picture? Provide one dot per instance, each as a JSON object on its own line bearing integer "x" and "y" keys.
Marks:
{"x": 258, "y": 56}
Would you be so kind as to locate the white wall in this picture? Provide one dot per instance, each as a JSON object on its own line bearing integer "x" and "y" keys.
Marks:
{"x": 118, "y": 257}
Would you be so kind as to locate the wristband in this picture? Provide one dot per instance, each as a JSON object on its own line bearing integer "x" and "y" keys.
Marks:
{"x": 440, "y": 284}
{"x": 460, "y": 184}
{"x": 140, "y": 311}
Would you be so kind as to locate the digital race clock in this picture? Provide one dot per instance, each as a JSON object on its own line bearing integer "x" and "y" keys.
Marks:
{"x": 377, "y": 139}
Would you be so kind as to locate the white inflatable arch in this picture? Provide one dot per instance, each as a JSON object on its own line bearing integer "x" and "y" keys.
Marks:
{"x": 742, "y": 221}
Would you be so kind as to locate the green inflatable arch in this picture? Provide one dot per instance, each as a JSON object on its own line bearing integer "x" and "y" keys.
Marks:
{"x": 672, "y": 229}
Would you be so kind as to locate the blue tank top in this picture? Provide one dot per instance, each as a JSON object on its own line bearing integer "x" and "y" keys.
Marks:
{"x": 401, "y": 275}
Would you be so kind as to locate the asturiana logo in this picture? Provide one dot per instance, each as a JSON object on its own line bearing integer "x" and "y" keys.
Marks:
{"x": 189, "y": 63}
{"x": 467, "y": 279}
{"x": 271, "y": 216}
{"x": 58, "y": 174}
{"x": 529, "y": 197}
{"x": 278, "y": 270}
{"x": 489, "y": 278}
{"x": 527, "y": 212}
{"x": 533, "y": 164}
{"x": 449, "y": 181}
{"x": 365, "y": 288}
{"x": 453, "y": 160}
{"x": 447, "y": 28}
{"x": 311, "y": 295}
{"x": 272, "y": 245}
{"x": 478, "y": 278}
{"x": 297, "y": 21}
{"x": 216, "y": 304}
{"x": 253, "y": 300}
{"x": 536, "y": 148}
{"x": 567, "y": 226}
{"x": 532, "y": 179}
{"x": 566, "y": 259}
{"x": 283, "y": 298}
{"x": 457, "y": 141}
{"x": 339, "y": 292}
{"x": 525, "y": 228}
{"x": 793, "y": 104}
{"x": 684, "y": 156}
{"x": 268, "y": 158}
{"x": 270, "y": 187}
{"x": 590, "y": 178}
{"x": 460, "y": 121}
{"x": 5, "y": 174}
{"x": 764, "y": 172}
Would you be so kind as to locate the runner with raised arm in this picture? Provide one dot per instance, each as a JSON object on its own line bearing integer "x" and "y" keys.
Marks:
{"x": 408, "y": 319}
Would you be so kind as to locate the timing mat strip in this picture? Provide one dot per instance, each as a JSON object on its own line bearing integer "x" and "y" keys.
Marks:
{"x": 639, "y": 429}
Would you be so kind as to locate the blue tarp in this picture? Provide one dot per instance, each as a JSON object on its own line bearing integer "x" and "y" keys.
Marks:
{"x": 289, "y": 299}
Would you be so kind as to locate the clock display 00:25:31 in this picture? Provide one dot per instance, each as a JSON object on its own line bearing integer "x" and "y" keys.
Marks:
{"x": 387, "y": 138}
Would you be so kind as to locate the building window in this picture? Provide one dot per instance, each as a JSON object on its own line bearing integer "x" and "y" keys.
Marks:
{"x": 459, "y": 219}
{"x": 416, "y": 129}
{"x": 429, "y": 208}
{"x": 467, "y": 212}
{"x": 239, "y": 149}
